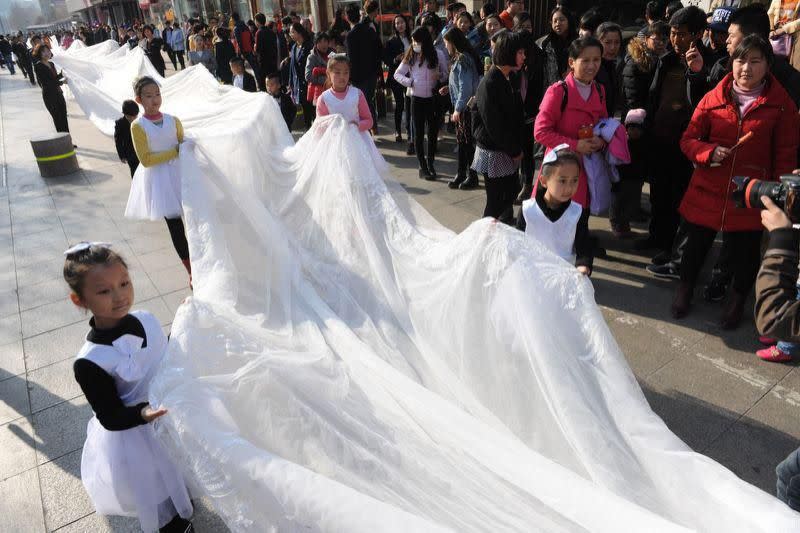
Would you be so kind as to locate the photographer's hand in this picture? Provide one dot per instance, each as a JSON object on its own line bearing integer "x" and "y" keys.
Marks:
{"x": 773, "y": 217}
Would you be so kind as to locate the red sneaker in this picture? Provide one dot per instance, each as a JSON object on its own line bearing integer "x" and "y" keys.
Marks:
{"x": 767, "y": 341}
{"x": 774, "y": 355}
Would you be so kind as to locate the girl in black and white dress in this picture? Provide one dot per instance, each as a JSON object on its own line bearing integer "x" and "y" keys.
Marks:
{"x": 124, "y": 468}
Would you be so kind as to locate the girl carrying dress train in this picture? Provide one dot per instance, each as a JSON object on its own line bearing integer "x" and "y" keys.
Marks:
{"x": 156, "y": 188}
{"x": 124, "y": 468}
{"x": 342, "y": 98}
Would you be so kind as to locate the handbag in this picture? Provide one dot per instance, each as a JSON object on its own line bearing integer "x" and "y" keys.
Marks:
{"x": 781, "y": 45}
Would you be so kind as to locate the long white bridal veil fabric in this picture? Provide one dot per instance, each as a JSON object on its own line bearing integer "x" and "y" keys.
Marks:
{"x": 347, "y": 364}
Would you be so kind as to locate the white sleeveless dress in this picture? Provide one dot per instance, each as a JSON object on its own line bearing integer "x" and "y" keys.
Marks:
{"x": 128, "y": 473}
{"x": 347, "y": 107}
{"x": 558, "y": 236}
{"x": 156, "y": 191}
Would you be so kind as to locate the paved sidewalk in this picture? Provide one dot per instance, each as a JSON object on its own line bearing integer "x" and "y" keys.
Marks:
{"x": 706, "y": 384}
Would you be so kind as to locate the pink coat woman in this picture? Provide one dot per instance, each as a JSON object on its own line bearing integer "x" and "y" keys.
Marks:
{"x": 554, "y": 127}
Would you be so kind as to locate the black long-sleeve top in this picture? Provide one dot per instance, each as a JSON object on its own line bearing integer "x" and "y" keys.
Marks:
{"x": 584, "y": 255}
{"x": 49, "y": 80}
{"x": 499, "y": 121}
{"x": 99, "y": 387}
{"x": 124, "y": 142}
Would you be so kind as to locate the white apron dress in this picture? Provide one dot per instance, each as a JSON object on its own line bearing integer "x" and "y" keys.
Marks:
{"x": 348, "y": 109}
{"x": 128, "y": 473}
{"x": 156, "y": 191}
{"x": 558, "y": 236}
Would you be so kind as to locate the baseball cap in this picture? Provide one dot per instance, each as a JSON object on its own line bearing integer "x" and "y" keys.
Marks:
{"x": 720, "y": 20}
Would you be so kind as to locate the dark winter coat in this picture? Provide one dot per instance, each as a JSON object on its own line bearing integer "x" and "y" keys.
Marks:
{"x": 556, "y": 55}
{"x": 365, "y": 52}
{"x": 497, "y": 122}
{"x": 771, "y": 151}
{"x": 635, "y": 84}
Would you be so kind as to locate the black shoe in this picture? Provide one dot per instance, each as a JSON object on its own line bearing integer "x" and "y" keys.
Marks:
{"x": 456, "y": 181}
{"x": 410, "y": 150}
{"x": 431, "y": 171}
{"x": 667, "y": 271}
{"x": 662, "y": 258}
{"x": 424, "y": 174}
{"x": 398, "y": 138}
{"x": 641, "y": 216}
{"x": 715, "y": 291}
{"x": 524, "y": 194}
{"x": 645, "y": 244}
{"x": 470, "y": 183}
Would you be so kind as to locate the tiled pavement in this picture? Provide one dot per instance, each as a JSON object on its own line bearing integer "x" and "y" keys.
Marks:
{"x": 706, "y": 384}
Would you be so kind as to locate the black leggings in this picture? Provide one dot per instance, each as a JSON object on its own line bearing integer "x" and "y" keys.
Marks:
{"x": 500, "y": 195}
{"x": 744, "y": 264}
{"x": 401, "y": 103}
{"x": 179, "y": 56}
{"x": 423, "y": 110}
{"x": 178, "y": 235}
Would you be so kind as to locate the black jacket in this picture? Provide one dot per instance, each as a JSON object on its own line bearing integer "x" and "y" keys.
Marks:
{"x": 124, "y": 142}
{"x": 365, "y": 52}
{"x": 223, "y": 53}
{"x": 556, "y": 53}
{"x": 5, "y": 47}
{"x": 153, "y": 51}
{"x": 266, "y": 50}
{"x": 635, "y": 85}
{"x": 248, "y": 82}
{"x": 498, "y": 120}
{"x": 288, "y": 108}
{"x": 534, "y": 67}
{"x": 393, "y": 48}
{"x": 22, "y": 53}
{"x": 49, "y": 80}
{"x": 610, "y": 77}
{"x": 665, "y": 63}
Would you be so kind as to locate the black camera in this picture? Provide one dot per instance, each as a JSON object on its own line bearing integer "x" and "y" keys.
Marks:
{"x": 785, "y": 194}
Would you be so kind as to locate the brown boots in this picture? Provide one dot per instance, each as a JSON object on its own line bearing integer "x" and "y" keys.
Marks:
{"x": 731, "y": 317}
{"x": 682, "y": 301}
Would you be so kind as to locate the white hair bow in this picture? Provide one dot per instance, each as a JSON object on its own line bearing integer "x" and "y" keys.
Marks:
{"x": 85, "y": 245}
{"x": 552, "y": 156}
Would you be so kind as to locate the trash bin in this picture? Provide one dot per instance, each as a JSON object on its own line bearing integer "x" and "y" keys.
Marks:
{"x": 55, "y": 154}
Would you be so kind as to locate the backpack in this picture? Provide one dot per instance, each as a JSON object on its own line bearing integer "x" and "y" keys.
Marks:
{"x": 564, "y": 99}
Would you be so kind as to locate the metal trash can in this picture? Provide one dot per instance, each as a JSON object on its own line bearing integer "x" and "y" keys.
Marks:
{"x": 55, "y": 154}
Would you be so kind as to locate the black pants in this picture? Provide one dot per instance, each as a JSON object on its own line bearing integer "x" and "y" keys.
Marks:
{"x": 423, "y": 112}
{"x": 401, "y": 103}
{"x": 626, "y": 196}
{"x": 466, "y": 152}
{"x": 670, "y": 178}
{"x": 57, "y": 106}
{"x": 133, "y": 165}
{"x": 309, "y": 111}
{"x": 744, "y": 264}
{"x": 179, "y": 57}
{"x": 177, "y": 525}
{"x": 500, "y": 195}
{"x": 368, "y": 88}
{"x": 171, "y": 55}
{"x": 178, "y": 235}
{"x": 528, "y": 164}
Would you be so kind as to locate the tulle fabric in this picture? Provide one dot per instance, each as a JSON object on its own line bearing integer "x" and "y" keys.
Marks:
{"x": 348, "y": 364}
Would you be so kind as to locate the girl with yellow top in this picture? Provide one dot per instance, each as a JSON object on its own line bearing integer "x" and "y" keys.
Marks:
{"x": 156, "y": 188}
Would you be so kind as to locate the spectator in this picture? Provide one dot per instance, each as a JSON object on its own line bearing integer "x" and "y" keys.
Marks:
{"x": 167, "y": 36}
{"x": 462, "y": 84}
{"x": 640, "y": 65}
{"x": 718, "y": 34}
{"x": 531, "y": 90}
{"x": 652, "y": 14}
{"x": 241, "y": 78}
{"x": 152, "y": 45}
{"x": 783, "y": 18}
{"x": 122, "y": 135}
{"x": 498, "y": 123}
{"x": 747, "y": 101}
{"x": 627, "y": 192}
{"x": 513, "y": 7}
{"x": 223, "y": 53}
{"x": 201, "y": 55}
{"x": 589, "y": 23}
{"x": 5, "y": 52}
{"x": 177, "y": 43}
{"x": 297, "y": 70}
{"x": 555, "y": 46}
{"x": 610, "y": 36}
{"x": 284, "y": 101}
{"x": 265, "y": 49}
{"x": 431, "y": 7}
{"x": 522, "y": 22}
{"x": 244, "y": 39}
{"x": 316, "y": 67}
{"x": 393, "y": 53}
{"x": 365, "y": 52}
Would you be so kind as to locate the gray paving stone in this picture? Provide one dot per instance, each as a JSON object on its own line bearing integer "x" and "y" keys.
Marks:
{"x": 49, "y": 317}
{"x": 24, "y": 256}
{"x": 161, "y": 259}
{"x": 19, "y": 453}
{"x": 21, "y": 504}
{"x": 102, "y": 524}
{"x": 10, "y": 329}
{"x": 54, "y": 346}
{"x": 13, "y": 399}
{"x": 170, "y": 279}
{"x": 61, "y": 429}
{"x": 12, "y": 360}
{"x": 52, "y": 384}
{"x": 39, "y": 272}
{"x": 46, "y": 292}
{"x": 157, "y": 307}
{"x": 9, "y": 303}
{"x": 63, "y": 495}
{"x": 175, "y": 299}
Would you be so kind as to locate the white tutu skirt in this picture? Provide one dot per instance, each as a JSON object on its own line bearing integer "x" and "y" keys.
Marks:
{"x": 128, "y": 473}
{"x": 155, "y": 192}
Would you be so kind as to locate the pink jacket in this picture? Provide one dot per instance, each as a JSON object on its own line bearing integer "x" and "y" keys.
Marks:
{"x": 554, "y": 127}
{"x": 421, "y": 79}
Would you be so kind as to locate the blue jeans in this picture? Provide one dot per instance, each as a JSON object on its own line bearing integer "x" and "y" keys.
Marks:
{"x": 791, "y": 348}
{"x": 788, "y": 473}
{"x": 9, "y": 63}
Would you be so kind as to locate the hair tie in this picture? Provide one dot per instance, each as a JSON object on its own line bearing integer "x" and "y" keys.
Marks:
{"x": 552, "y": 156}
{"x": 85, "y": 245}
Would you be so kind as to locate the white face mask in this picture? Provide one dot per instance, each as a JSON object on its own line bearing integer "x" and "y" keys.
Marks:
{"x": 417, "y": 48}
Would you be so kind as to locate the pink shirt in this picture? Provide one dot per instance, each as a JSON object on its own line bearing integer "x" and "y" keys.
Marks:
{"x": 364, "y": 116}
{"x": 746, "y": 99}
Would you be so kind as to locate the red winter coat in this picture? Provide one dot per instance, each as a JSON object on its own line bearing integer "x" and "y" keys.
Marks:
{"x": 770, "y": 152}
